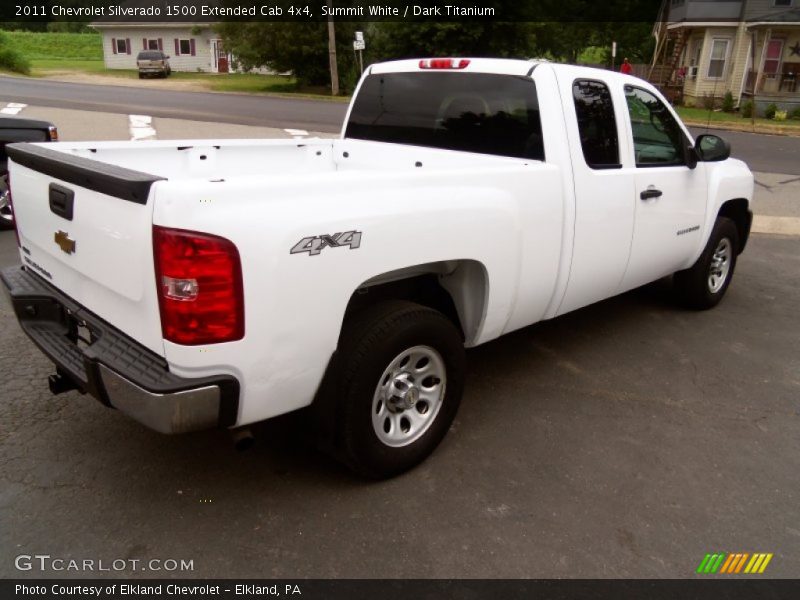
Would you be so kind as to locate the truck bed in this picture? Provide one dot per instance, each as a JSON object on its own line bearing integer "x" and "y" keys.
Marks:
{"x": 215, "y": 160}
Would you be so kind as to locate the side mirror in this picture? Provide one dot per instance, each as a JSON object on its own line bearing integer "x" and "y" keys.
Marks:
{"x": 711, "y": 148}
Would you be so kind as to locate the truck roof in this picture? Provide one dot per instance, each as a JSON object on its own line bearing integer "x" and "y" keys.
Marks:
{"x": 504, "y": 66}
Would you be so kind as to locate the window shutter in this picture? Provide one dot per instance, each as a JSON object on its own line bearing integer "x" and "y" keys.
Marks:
{"x": 127, "y": 45}
{"x": 191, "y": 45}
{"x": 144, "y": 43}
{"x": 177, "y": 47}
{"x": 160, "y": 45}
{"x": 114, "y": 45}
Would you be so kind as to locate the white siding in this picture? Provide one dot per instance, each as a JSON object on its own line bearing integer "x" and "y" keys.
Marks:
{"x": 201, "y": 61}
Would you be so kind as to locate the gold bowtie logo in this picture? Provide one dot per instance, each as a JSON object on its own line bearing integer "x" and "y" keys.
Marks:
{"x": 64, "y": 242}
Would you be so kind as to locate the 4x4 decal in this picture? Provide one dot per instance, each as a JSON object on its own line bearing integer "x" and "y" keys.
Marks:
{"x": 316, "y": 244}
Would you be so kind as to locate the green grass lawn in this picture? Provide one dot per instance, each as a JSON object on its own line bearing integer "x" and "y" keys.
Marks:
{"x": 57, "y": 46}
{"x": 252, "y": 83}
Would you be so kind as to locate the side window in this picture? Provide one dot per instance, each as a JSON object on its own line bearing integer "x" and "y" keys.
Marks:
{"x": 658, "y": 140}
{"x": 596, "y": 124}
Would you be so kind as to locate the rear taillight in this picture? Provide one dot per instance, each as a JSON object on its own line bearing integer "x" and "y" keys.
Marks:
{"x": 199, "y": 280}
{"x": 444, "y": 63}
{"x": 53, "y": 131}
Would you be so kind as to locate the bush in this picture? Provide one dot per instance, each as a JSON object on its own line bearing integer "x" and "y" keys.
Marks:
{"x": 10, "y": 59}
{"x": 780, "y": 115}
{"x": 795, "y": 114}
{"x": 747, "y": 109}
{"x": 708, "y": 101}
{"x": 727, "y": 102}
{"x": 769, "y": 112}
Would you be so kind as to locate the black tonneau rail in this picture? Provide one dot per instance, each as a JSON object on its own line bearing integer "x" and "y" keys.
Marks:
{"x": 95, "y": 175}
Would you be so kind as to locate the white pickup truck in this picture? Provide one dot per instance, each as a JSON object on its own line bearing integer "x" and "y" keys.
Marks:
{"x": 197, "y": 284}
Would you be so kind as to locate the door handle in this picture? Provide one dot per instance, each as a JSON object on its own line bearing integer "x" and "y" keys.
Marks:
{"x": 650, "y": 193}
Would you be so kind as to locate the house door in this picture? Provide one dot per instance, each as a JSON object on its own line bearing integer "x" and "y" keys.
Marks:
{"x": 219, "y": 57}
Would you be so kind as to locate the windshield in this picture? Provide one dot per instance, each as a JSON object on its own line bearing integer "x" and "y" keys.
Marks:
{"x": 472, "y": 112}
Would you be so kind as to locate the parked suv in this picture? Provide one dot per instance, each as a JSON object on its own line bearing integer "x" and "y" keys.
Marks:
{"x": 15, "y": 129}
{"x": 153, "y": 62}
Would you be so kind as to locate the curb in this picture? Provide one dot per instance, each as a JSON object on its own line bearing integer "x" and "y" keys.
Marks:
{"x": 776, "y": 225}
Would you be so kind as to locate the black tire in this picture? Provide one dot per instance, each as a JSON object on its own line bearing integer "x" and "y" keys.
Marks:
{"x": 6, "y": 218}
{"x": 370, "y": 342}
{"x": 693, "y": 285}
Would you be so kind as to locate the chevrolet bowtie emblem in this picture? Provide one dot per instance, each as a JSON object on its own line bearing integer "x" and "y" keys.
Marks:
{"x": 64, "y": 242}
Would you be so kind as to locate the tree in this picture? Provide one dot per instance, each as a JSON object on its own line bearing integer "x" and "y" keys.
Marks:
{"x": 299, "y": 47}
{"x": 391, "y": 40}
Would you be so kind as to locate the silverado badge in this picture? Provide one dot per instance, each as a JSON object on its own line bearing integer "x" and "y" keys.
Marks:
{"x": 64, "y": 242}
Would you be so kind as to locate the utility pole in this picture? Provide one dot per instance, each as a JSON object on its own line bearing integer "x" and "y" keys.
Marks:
{"x": 332, "y": 54}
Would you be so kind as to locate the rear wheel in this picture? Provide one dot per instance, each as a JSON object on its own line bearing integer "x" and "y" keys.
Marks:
{"x": 401, "y": 378}
{"x": 705, "y": 283}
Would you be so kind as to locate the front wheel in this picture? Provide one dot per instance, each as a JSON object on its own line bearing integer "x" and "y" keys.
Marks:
{"x": 402, "y": 373}
{"x": 704, "y": 284}
{"x": 6, "y": 215}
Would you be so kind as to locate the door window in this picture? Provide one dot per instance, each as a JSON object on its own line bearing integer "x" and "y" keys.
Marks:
{"x": 658, "y": 140}
{"x": 596, "y": 124}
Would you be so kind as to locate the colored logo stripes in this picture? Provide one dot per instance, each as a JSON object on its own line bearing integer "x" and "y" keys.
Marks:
{"x": 735, "y": 562}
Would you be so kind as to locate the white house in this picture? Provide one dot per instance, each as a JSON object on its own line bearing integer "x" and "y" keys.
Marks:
{"x": 191, "y": 46}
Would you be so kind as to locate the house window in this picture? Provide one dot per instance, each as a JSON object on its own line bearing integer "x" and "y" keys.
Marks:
{"x": 121, "y": 46}
{"x": 781, "y": 2}
{"x": 719, "y": 54}
{"x": 772, "y": 61}
{"x": 185, "y": 47}
{"x": 152, "y": 45}
{"x": 596, "y": 124}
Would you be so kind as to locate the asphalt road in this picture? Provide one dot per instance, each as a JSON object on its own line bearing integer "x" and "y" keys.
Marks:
{"x": 267, "y": 111}
{"x": 764, "y": 153}
{"x": 627, "y": 439}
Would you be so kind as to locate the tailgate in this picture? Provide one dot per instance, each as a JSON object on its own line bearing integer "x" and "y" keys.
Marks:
{"x": 86, "y": 227}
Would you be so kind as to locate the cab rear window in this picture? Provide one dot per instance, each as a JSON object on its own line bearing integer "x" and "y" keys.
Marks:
{"x": 471, "y": 112}
{"x": 150, "y": 56}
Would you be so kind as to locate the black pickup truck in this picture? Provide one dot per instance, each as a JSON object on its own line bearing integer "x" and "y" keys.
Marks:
{"x": 15, "y": 129}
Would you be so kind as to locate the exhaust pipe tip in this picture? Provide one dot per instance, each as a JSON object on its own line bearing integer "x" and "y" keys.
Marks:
{"x": 243, "y": 439}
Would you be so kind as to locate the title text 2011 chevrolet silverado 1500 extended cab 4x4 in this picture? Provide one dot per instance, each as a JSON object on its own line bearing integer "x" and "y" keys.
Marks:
{"x": 218, "y": 283}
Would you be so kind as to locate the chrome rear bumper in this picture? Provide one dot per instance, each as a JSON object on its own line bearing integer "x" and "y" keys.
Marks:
{"x": 115, "y": 369}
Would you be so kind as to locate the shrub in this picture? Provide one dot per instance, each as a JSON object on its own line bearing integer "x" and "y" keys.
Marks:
{"x": 780, "y": 115}
{"x": 747, "y": 109}
{"x": 795, "y": 114}
{"x": 770, "y": 111}
{"x": 708, "y": 101}
{"x": 727, "y": 102}
{"x": 10, "y": 59}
